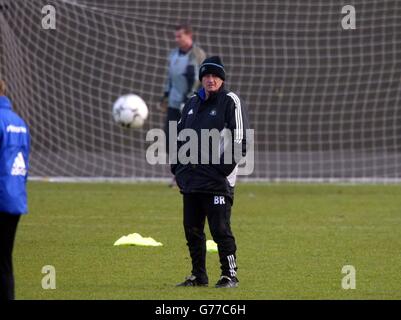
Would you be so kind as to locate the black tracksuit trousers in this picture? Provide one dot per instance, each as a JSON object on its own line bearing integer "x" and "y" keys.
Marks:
{"x": 8, "y": 228}
{"x": 217, "y": 209}
{"x": 173, "y": 114}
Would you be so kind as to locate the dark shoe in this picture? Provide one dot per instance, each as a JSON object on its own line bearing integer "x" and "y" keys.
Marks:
{"x": 192, "y": 281}
{"x": 227, "y": 282}
{"x": 173, "y": 183}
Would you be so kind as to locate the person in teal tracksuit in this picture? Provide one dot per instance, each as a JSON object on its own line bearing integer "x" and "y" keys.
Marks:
{"x": 182, "y": 75}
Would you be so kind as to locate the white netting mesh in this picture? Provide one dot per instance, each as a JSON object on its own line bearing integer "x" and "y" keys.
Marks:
{"x": 324, "y": 102}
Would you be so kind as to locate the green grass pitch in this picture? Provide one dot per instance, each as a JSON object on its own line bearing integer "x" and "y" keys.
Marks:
{"x": 293, "y": 241}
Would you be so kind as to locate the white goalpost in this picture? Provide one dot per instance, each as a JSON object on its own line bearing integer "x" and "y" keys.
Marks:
{"x": 324, "y": 101}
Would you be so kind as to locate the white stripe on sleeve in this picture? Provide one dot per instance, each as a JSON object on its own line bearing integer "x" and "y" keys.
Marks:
{"x": 239, "y": 131}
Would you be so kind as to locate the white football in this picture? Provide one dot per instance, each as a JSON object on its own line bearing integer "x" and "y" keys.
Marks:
{"x": 130, "y": 111}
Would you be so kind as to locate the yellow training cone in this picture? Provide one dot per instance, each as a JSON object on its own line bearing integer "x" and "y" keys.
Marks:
{"x": 135, "y": 239}
{"x": 211, "y": 246}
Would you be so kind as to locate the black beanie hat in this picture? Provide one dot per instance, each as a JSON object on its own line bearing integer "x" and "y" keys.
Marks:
{"x": 212, "y": 65}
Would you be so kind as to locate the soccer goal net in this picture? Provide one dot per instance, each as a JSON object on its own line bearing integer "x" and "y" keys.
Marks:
{"x": 322, "y": 81}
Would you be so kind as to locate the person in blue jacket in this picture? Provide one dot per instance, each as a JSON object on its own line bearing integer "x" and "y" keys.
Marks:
{"x": 14, "y": 155}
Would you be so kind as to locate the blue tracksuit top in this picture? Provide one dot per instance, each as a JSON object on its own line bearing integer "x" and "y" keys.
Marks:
{"x": 14, "y": 157}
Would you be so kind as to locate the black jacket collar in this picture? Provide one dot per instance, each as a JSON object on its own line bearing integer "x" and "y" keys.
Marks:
{"x": 202, "y": 94}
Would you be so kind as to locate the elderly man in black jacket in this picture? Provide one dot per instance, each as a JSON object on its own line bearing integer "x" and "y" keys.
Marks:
{"x": 207, "y": 181}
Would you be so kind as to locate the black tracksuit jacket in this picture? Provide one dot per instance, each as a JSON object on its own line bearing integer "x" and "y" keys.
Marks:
{"x": 221, "y": 110}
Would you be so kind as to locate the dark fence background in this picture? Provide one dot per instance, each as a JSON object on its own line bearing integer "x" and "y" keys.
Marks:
{"x": 324, "y": 102}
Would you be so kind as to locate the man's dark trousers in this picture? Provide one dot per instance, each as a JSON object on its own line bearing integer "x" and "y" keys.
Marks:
{"x": 217, "y": 209}
{"x": 173, "y": 114}
{"x": 8, "y": 228}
